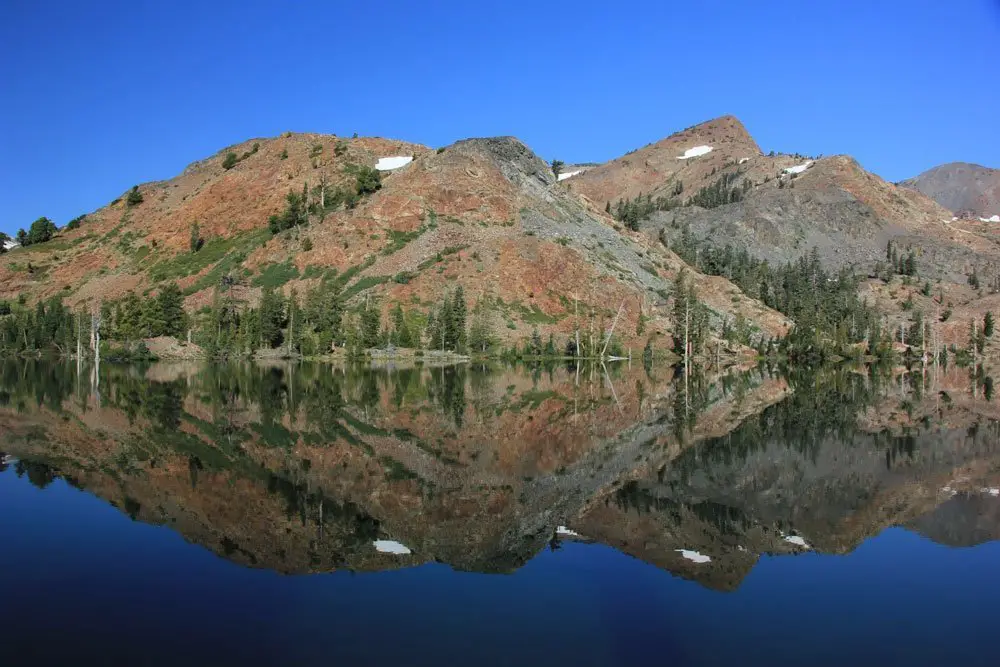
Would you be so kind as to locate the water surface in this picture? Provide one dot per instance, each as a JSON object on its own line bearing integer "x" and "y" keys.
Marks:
{"x": 228, "y": 516}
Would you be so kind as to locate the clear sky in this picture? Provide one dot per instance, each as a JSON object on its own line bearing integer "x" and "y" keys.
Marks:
{"x": 95, "y": 97}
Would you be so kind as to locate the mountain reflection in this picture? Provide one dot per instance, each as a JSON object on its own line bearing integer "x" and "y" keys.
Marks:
{"x": 303, "y": 468}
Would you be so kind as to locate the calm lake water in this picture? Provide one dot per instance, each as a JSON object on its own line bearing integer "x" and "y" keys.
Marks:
{"x": 317, "y": 515}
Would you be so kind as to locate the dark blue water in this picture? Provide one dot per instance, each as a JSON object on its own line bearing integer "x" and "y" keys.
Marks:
{"x": 85, "y": 584}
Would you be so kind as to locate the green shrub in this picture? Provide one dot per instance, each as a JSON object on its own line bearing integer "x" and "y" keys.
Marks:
{"x": 369, "y": 180}
{"x": 134, "y": 197}
{"x": 230, "y": 160}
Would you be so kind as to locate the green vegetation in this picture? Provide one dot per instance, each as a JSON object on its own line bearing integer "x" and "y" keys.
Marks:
{"x": 721, "y": 192}
{"x": 134, "y": 197}
{"x": 228, "y": 253}
{"x": 295, "y": 212}
{"x": 446, "y": 327}
{"x": 275, "y": 275}
{"x": 632, "y": 212}
{"x": 899, "y": 264}
{"x": 41, "y": 231}
{"x": 369, "y": 180}
{"x": 196, "y": 241}
{"x": 230, "y": 160}
{"x": 557, "y": 167}
{"x": 829, "y": 316}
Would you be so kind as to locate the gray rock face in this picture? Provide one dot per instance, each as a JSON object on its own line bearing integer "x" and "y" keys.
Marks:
{"x": 963, "y": 188}
{"x": 782, "y": 225}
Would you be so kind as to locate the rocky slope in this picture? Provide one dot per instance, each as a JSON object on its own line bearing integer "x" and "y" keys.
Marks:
{"x": 967, "y": 190}
{"x": 484, "y": 213}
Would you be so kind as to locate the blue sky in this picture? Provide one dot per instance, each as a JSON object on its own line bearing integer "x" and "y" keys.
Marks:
{"x": 99, "y": 96}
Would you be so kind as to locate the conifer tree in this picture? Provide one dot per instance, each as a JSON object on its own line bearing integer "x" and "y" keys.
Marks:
{"x": 271, "y": 318}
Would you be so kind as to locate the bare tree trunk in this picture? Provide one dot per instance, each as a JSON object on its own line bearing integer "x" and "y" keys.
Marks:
{"x": 687, "y": 338}
{"x": 611, "y": 332}
{"x": 576, "y": 316}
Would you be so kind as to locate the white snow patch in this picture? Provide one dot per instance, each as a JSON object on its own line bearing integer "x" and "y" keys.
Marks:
{"x": 994, "y": 218}
{"x": 693, "y": 556}
{"x": 796, "y": 540}
{"x": 743, "y": 159}
{"x": 563, "y": 530}
{"x": 799, "y": 168}
{"x": 391, "y": 547}
{"x": 563, "y": 177}
{"x": 695, "y": 152}
{"x": 954, "y": 218}
{"x": 993, "y": 491}
{"x": 950, "y": 491}
{"x": 8, "y": 245}
{"x": 390, "y": 163}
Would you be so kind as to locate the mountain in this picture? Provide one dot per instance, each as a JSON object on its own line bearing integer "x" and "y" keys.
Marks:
{"x": 715, "y": 181}
{"x": 710, "y": 187}
{"x": 530, "y": 249}
{"x": 967, "y": 190}
{"x": 486, "y": 214}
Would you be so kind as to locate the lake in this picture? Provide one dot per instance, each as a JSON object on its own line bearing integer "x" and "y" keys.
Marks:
{"x": 301, "y": 514}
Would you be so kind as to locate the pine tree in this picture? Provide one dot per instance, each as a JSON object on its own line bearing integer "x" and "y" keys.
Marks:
{"x": 536, "y": 342}
{"x": 172, "y": 314}
{"x": 459, "y": 312}
{"x": 371, "y": 324}
{"x": 480, "y": 331}
{"x": 195, "y": 241}
{"x": 988, "y": 324}
{"x": 271, "y": 318}
{"x": 294, "y": 337}
{"x": 401, "y": 332}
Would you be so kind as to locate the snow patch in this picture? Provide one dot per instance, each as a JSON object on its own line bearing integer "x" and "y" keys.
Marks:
{"x": 799, "y": 168}
{"x": 798, "y": 541}
{"x": 563, "y": 530}
{"x": 954, "y": 218}
{"x": 695, "y": 152}
{"x": 563, "y": 177}
{"x": 993, "y": 491}
{"x": 390, "y": 163}
{"x": 993, "y": 218}
{"x": 391, "y": 547}
{"x": 950, "y": 491}
{"x": 9, "y": 245}
{"x": 743, "y": 159}
{"x": 693, "y": 556}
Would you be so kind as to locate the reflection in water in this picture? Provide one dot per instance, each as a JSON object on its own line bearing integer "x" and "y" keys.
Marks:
{"x": 304, "y": 468}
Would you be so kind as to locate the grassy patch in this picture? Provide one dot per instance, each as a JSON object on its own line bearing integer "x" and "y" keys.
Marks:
{"x": 215, "y": 250}
{"x": 321, "y": 272}
{"x": 365, "y": 283}
{"x": 398, "y": 240}
{"x": 276, "y": 275}
{"x": 534, "y": 315}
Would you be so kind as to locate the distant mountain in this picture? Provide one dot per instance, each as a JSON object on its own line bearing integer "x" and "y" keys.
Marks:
{"x": 969, "y": 190}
